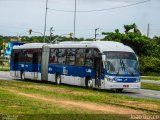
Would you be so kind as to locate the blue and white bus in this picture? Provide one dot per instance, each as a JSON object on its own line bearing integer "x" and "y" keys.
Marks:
{"x": 93, "y": 64}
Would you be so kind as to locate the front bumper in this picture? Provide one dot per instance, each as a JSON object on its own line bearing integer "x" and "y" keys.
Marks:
{"x": 115, "y": 85}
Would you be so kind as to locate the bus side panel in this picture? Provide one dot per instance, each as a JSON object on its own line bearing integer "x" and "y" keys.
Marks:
{"x": 28, "y": 71}
{"x": 13, "y": 69}
{"x": 74, "y": 75}
{"x": 78, "y": 74}
{"x": 39, "y": 72}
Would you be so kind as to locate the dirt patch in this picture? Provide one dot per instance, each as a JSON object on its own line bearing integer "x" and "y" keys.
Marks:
{"x": 13, "y": 106}
{"x": 82, "y": 105}
{"x": 148, "y": 106}
{"x": 59, "y": 90}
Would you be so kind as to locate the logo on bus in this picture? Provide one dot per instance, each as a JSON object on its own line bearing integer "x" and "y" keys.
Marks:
{"x": 65, "y": 71}
{"x": 89, "y": 70}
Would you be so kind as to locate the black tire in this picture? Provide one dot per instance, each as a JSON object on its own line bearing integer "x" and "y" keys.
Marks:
{"x": 58, "y": 79}
{"x": 89, "y": 82}
{"x": 119, "y": 90}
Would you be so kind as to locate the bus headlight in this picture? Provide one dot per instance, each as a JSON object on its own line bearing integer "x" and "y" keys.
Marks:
{"x": 111, "y": 80}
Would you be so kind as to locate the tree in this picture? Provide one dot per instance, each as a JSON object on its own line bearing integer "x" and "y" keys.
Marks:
{"x": 146, "y": 48}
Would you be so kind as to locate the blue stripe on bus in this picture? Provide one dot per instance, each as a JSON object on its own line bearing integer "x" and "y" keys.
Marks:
{"x": 123, "y": 80}
{"x": 76, "y": 71}
{"x": 25, "y": 67}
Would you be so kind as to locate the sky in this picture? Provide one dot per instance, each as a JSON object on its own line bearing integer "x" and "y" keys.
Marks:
{"x": 18, "y": 16}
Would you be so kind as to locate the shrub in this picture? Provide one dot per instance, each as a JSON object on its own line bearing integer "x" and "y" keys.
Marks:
{"x": 149, "y": 65}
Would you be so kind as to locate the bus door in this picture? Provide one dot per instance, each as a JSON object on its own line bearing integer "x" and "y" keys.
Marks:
{"x": 15, "y": 63}
{"x": 35, "y": 65}
{"x": 98, "y": 71}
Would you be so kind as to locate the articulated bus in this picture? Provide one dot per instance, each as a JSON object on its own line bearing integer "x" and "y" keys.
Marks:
{"x": 92, "y": 64}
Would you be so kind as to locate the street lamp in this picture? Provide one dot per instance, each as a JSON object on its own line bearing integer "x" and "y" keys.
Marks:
{"x": 55, "y": 40}
{"x": 31, "y": 31}
{"x": 96, "y": 33}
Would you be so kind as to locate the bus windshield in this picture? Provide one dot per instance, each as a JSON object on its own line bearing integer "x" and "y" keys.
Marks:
{"x": 121, "y": 63}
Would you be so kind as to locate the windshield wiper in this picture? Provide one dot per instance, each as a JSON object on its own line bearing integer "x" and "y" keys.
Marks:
{"x": 130, "y": 71}
{"x": 123, "y": 65}
{"x": 118, "y": 72}
{"x": 126, "y": 67}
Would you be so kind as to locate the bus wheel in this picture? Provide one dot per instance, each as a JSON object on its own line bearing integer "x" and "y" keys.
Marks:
{"x": 22, "y": 75}
{"x": 58, "y": 79}
{"x": 119, "y": 90}
{"x": 89, "y": 83}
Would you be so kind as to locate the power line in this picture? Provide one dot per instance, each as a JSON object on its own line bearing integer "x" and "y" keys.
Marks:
{"x": 99, "y": 10}
{"x": 22, "y": 28}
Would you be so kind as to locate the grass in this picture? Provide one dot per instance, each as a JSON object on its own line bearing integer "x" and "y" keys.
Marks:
{"x": 14, "y": 103}
{"x": 151, "y": 86}
{"x": 26, "y": 108}
{"x": 150, "y": 77}
{"x": 4, "y": 68}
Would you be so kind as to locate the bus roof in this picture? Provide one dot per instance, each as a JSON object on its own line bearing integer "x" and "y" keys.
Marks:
{"x": 101, "y": 45}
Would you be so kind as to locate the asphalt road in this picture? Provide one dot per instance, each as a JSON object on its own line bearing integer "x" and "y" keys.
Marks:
{"x": 137, "y": 93}
{"x": 151, "y": 81}
{"x": 5, "y": 76}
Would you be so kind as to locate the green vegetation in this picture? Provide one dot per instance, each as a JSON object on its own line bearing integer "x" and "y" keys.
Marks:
{"x": 4, "y": 68}
{"x": 29, "y": 100}
{"x": 150, "y": 77}
{"x": 146, "y": 48}
{"x": 29, "y": 97}
{"x": 151, "y": 86}
{"x": 4, "y": 64}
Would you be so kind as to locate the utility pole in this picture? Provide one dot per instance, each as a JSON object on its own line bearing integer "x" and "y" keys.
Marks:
{"x": 45, "y": 21}
{"x": 148, "y": 30}
{"x": 51, "y": 33}
{"x": 17, "y": 37}
{"x": 96, "y": 33}
{"x": 75, "y": 10}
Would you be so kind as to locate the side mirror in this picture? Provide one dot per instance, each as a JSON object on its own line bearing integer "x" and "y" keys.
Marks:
{"x": 103, "y": 57}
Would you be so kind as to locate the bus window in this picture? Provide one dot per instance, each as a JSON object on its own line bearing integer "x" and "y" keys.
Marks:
{"x": 89, "y": 58}
{"x": 12, "y": 55}
{"x": 95, "y": 52}
{"x": 29, "y": 55}
{"x": 39, "y": 56}
{"x": 53, "y": 56}
{"x": 22, "y": 56}
{"x": 15, "y": 56}
{"x": 80, "y": 56}
{"x": 71, "y": 53}
{"x": 35, "y": 58}
{"x": 61, "y": 56}
{"x": 89, "y": 53}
